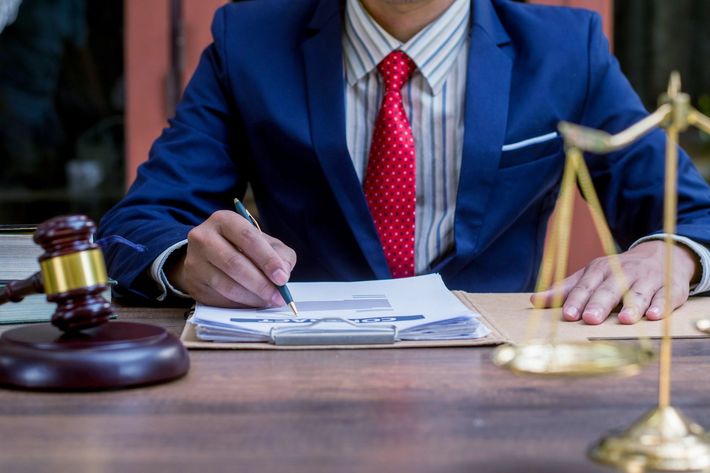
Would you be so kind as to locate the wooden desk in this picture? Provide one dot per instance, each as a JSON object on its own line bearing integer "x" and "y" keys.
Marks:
{"x": 428, "y": 410}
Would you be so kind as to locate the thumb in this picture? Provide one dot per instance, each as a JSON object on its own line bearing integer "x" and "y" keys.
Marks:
{"x": 557, "y": 293}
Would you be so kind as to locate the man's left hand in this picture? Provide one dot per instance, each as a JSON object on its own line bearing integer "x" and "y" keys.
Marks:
{"x": 594, "y": 291}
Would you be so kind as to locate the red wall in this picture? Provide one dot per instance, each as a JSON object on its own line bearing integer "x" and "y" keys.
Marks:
{"x": 146, "y": 58}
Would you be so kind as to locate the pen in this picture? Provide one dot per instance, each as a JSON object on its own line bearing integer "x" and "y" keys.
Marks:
{"x": 283, "y": 290}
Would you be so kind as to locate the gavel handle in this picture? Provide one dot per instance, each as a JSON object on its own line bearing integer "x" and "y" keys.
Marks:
{"x": 15, "y": 291}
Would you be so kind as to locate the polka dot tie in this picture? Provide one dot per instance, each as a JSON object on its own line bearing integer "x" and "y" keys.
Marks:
{"x": 390, "y": 179}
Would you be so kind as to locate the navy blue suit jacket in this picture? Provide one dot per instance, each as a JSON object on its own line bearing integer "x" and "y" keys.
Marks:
{"x": 266, "y": 106}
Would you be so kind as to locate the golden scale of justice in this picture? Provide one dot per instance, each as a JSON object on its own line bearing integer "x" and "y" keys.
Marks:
{"x": 663, "y": 439}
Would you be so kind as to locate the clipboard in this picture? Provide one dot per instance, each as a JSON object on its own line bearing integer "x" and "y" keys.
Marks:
{"x": 506, "y": 316}
{"x": 336, "y": 333}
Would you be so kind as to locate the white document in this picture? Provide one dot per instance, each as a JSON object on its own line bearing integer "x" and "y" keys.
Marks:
{"x": 421, "y": 308}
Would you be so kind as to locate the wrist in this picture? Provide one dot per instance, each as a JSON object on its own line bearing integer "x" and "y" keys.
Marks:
{"x": 685, "y": 260}
{"x": 690, "y": 258}
{"x": 173, "y": 268}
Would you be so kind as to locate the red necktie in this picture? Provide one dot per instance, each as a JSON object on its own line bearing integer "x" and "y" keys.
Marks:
{"x": 391, "y": 179}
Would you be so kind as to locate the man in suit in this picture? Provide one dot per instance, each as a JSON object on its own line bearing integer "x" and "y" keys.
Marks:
{"x": 396, "y": 137}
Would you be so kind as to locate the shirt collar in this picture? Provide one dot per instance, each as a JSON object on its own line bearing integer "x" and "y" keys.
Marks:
{"x": 433, "y": 49}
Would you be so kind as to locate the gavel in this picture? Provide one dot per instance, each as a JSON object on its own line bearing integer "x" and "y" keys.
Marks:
{"x": 73, "y": 274}
{"x": 79, "y": 350}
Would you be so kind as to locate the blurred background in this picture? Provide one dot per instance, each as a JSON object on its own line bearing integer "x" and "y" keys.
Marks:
{"x": 86, "y": 85}
{"x": 61, "y": 107}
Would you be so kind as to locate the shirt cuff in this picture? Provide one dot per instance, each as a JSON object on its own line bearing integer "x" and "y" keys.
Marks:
{"x": 158, "y": 275}
{"x": 701, "y": 251}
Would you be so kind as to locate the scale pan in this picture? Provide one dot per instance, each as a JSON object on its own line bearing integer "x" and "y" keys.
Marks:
{"x": 573, "y": 358}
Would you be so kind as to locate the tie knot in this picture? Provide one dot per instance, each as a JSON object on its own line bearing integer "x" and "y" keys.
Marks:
{"x": 396, "y": 69}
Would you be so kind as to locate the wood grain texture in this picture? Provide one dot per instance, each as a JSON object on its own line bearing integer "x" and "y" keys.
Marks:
{"x": 442, "y": 410}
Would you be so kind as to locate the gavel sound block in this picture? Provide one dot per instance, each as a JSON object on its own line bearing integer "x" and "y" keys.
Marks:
{"x": 81, "y": 349}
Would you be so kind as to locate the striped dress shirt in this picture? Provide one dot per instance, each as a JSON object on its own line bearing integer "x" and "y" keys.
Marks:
{"x": 433, "y": 100}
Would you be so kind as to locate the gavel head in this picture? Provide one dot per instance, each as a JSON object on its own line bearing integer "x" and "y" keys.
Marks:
{"x": 73, "y": 272}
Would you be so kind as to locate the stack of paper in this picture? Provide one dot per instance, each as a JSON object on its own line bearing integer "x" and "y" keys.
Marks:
{"x": 421, "y": 308}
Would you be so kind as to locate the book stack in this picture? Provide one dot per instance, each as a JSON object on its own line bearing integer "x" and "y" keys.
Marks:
{"x": 18, "y": 253}
{"x": 18, "y": 260}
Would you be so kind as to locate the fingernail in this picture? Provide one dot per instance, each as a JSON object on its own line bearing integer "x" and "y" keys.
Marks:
{"x": 571, "y": 312}
{"x": 594, "y": 315}
{"x": 279, "y": 277}
{"x": 277, "y": 300}
{"x": 654, "y": 311}
{"x": 628, "y": 315}
{"x": 537, "y": 299}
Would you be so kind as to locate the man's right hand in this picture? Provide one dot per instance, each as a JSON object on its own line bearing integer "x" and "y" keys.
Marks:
{"x": 230, "y": 263}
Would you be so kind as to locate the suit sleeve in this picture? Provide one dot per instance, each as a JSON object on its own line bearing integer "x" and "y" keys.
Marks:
{"x": 630, "y": 181}
{"x": 193, "y": 170}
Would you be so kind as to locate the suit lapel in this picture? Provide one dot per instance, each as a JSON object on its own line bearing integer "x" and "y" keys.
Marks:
{"x": 326, "y": 102}
{"x": 485, "y": 117}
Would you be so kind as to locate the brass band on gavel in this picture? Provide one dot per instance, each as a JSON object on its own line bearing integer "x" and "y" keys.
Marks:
{"x": 68, "y": 272}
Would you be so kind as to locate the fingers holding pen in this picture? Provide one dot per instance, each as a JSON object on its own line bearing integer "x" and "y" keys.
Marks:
{"x": 241, "y": 270}
{"x": 285, "y": 252}
{"x": 222, "y": 291}
{"x": 257, "y": 247}
{"x": 193, "y": 273}
{"x": 231, "y": 262}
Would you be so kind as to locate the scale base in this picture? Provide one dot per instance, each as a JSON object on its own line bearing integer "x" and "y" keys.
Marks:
{"x": 114, "y": 355}
{"x": 662, "y": 440}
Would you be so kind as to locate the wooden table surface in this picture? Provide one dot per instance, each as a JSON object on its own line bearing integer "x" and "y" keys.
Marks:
{"x": 428, "y": 410}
